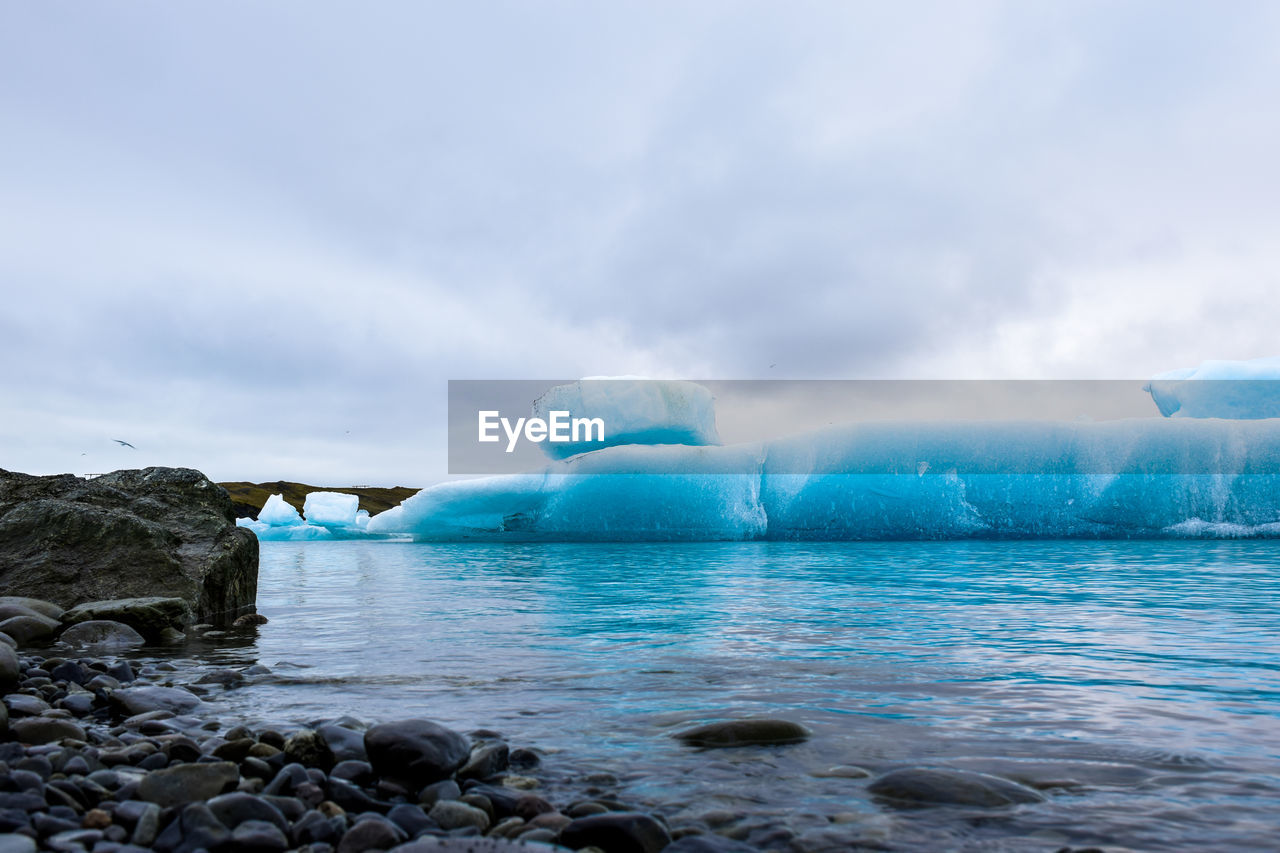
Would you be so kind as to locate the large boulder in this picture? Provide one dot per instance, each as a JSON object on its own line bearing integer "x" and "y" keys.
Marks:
{"x": 154, "y": 532}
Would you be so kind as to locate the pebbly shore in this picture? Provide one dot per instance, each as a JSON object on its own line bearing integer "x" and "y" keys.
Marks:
{"x": 102, "y": 756}
{"x": 106, "y": 749}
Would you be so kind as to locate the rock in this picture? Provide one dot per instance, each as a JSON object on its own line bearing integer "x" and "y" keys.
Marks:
{"x": 371, "y": 834}
{"x": 433, "y": 793}
{"x": 142, "y": 700}
{"x": 45, "y": 730}
{"x": 31, "y": 628}
{"x": 418, "y": 751}
{"x": 195, "y": 829}
{"x": 757, "y": 731}
{"x": 486, "y": 760}
{"x": 504, "y": 800}
{"x": 26, "y": 706}
{"x": 939, "y": 786}
{"x": 226, "y": 677}
{"x": 309, "y": 749}
{"x": 709, "y": 844}
{"x": 346, "y": 744}
{"x": 10, "y": 670}
{"x": 8, "y": 641}
{"x": 102, "y": 634}
{"x": 617, "y": 832}
{"x": 234, "y": 750}
{"x": 453, "y": 814}
{"x": 16, "y": 844}
{"x": 185, "y": 783}
{"x": 150, "y": 616}
{"x": 524, "y": 759}
{"x": 259, "y": 835}
{"x": 412, "y": 819}
{"x": 235, "y": 808}
{"x": 166, "y": 532}
{"x": 44, "y": 608}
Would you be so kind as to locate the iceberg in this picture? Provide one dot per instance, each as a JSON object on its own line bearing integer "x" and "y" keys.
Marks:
{"x": 279, "y": 521}
{"x": 331, "y": 509}
{"x": 1136, "y": 478}
{"x": 276, "y": 512}
{"x": 1220, "y": 389}
{"x": 329, "y": 515}
{"x": 633, "y": 411}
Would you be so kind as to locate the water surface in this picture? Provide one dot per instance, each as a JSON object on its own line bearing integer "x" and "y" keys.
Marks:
{"x": 1136, "y": 682}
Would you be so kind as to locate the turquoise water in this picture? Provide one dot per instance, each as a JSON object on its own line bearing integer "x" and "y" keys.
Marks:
{"x": 1136, "y": 682}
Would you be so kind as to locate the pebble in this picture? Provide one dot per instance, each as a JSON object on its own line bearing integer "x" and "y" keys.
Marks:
{"x": 454, "y": 814}
{"x": 110, "y": 760}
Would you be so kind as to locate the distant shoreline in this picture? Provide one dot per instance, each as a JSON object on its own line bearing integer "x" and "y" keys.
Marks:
{"x": 248, "y": 498}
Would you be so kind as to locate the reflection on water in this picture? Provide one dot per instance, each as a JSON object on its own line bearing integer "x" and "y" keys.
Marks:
{"x": 1137, "y": 682}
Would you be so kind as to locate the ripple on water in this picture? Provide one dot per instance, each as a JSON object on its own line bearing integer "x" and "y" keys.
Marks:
{"x": 1133, "y": 682}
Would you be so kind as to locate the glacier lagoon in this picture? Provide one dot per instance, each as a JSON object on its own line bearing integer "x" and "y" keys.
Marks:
{"x": 1086, "y": 608}
{"x": 1135, "y": 681}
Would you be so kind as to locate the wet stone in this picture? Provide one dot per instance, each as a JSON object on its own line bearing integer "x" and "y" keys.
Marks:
{"x": 259, "y": 835}
{"x": 371, "y": 834}
{"x": 236, "y": 808}
{"x": 453, "y": 814}
{"x": 45, "y": 730}
{"x": 185, "y": 783}
{"x": 617, "y": 832}
{"x": 748, "y": 732}
{"x": 941, "y": 786}
{"x": 418, "y": 751}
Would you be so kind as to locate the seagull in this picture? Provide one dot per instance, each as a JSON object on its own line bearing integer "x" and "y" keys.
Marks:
{"x": 123, "y": 443}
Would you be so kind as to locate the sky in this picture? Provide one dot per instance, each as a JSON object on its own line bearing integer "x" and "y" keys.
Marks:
{"x": 258, "y": 238}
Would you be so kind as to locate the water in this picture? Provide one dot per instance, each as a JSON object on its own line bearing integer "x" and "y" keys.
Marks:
{"x": 1136, "y": 682}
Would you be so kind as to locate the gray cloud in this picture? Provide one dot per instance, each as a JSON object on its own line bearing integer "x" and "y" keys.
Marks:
{"x": 261, "y": 237}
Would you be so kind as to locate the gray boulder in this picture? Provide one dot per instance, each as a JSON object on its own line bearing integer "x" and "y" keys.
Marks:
{"x": 150, "y": 616}
{"x": 154, "y": 532}
{"x": 102, "y": 634}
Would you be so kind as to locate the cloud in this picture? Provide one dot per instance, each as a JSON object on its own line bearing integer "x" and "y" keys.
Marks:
{"x": 240, "y": 231}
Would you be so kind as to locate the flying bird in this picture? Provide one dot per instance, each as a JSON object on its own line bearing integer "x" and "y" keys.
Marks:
{"x": 123, "y": 443}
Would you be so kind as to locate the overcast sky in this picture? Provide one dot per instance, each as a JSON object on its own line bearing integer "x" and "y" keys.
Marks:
{"x": 257, "y": 238}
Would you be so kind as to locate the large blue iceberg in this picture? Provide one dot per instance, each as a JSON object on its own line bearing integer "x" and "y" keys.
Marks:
{"x": 1136, "y": 478}
{"x": 1211, "y": 470}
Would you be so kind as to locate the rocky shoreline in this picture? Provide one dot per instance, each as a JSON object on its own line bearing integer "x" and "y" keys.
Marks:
{"x": 102, "y": 755}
